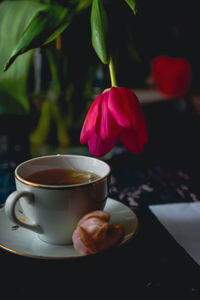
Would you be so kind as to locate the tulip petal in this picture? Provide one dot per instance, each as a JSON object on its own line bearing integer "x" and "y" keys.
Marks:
{"x": 90, "y": 121}
{"x": 106, "y": 126}
{"x": 114, "y": 115}
{"x": 121, "y": 105}
{"x": 139, "y": 126}
{"x": 130, "y": 141}
{"x": 138, "y": 122}
{"x": 99, "y": 147}
{"x": 137, "y": 117}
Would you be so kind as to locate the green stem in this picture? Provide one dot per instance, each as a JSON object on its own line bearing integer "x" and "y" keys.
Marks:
{"x": 54, "y": 68}
{"x": 39, "y": 136}
{"x": 112, "y": 72}
{"x": 63, "y": 137}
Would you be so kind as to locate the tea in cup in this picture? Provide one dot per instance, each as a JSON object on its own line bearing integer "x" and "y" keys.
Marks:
{"x": 55, "y": 192}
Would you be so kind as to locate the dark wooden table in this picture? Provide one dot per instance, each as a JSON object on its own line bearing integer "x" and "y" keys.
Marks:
{"x": 152, "y": 264}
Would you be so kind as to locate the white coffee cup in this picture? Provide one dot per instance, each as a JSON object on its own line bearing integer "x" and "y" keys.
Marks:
{"x": 54, "y": 210}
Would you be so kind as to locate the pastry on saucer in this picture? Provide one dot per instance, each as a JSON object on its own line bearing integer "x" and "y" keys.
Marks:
{"x": 94, "y": 233}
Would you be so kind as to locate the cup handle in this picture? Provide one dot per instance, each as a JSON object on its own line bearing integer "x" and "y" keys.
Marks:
{"x": 10, "y": 209}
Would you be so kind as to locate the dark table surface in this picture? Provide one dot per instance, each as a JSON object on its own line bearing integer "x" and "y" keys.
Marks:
{"x": 152, "y": 264}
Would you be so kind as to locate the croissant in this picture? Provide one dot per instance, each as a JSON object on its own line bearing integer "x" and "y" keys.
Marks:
{"x": 95, "y": 233}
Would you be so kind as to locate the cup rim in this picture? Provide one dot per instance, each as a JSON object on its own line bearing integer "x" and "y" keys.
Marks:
{"x": 66, "y": 186}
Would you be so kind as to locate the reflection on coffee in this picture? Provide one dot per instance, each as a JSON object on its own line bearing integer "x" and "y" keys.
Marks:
{"x": 62, "y": 177}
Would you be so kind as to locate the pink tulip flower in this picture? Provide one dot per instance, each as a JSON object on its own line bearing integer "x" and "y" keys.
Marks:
{"x": 114, "y": 115}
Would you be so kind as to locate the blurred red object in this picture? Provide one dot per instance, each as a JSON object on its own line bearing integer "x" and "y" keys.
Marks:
{"x": 172, "y": 76}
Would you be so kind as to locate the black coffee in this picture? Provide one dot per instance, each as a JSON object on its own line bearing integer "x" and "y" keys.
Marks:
{"x": 62, "y": 177}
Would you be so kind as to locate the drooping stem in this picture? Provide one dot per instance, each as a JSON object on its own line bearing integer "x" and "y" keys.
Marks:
{"x": 58, "y": 43}
{"x": 112, "y": 72}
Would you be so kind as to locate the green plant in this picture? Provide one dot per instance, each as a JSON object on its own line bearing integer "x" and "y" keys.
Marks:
{"x": 77, "y": 25}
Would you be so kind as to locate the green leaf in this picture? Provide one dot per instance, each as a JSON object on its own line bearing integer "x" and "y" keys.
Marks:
{"x": 45, "y": 26}
{"x": 14, "y": 18}
{"x": 132, "y": 4}
{"x": 83, "y": 4}
{"x": 99, "y": 30}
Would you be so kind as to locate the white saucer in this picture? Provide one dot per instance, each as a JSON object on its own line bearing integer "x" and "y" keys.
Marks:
{"x": 26, "y": 243}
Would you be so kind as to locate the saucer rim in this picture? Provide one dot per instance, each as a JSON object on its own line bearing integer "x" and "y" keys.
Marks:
{"x": 79, "y": 255}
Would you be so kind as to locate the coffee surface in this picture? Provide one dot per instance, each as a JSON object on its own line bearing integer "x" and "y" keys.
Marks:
{"x": 62, "y": 177}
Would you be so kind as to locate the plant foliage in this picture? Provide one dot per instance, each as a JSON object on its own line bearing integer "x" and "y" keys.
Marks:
{"x": 26, "y": 25}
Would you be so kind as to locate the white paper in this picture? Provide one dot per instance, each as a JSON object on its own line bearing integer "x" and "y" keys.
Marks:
{"x": 182, "y": 220}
